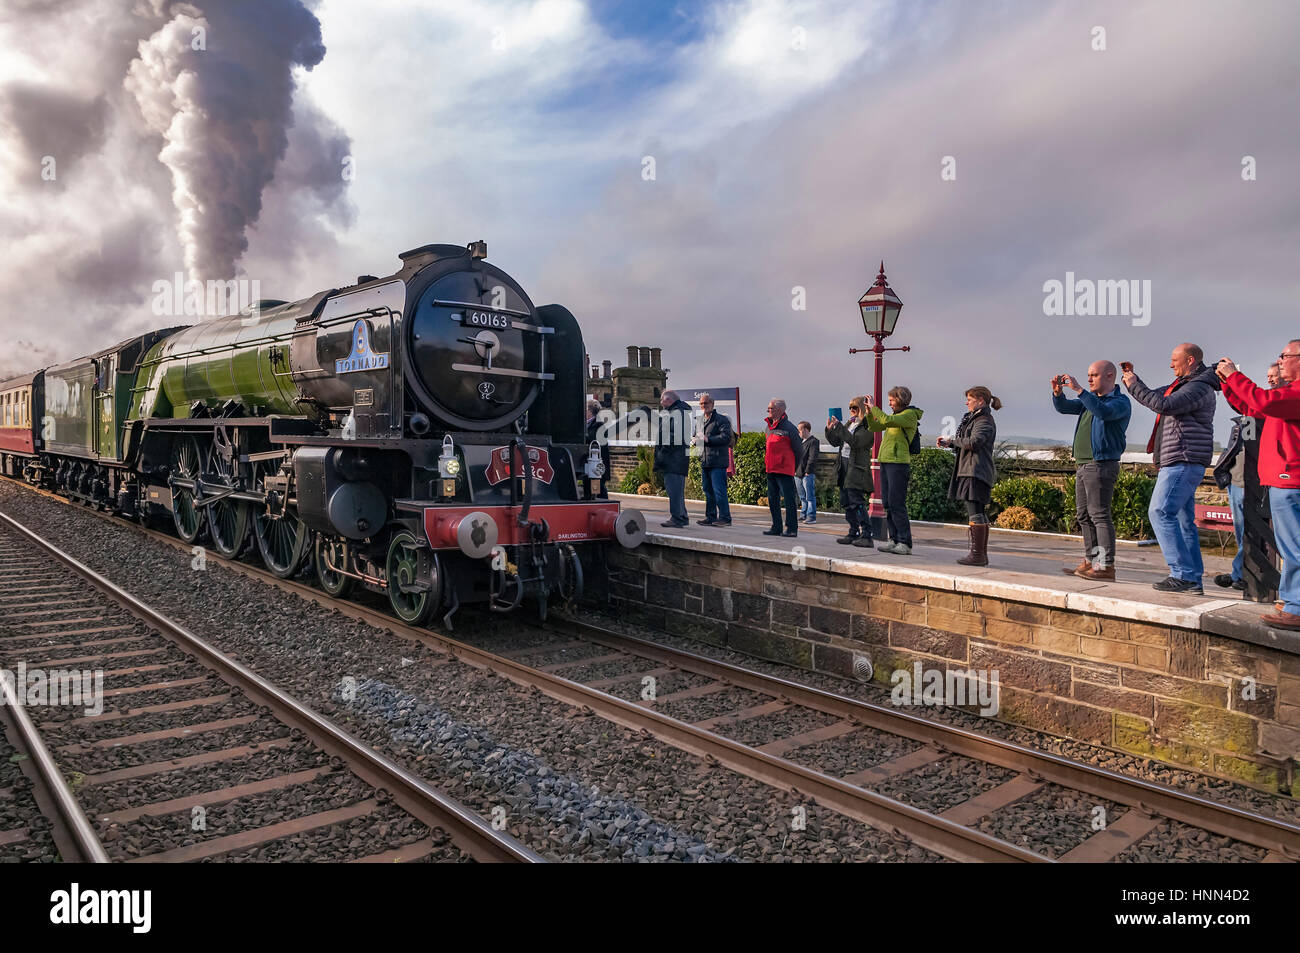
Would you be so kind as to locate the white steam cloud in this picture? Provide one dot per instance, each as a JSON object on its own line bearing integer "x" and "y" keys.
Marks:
{"x": 216, "y": 82}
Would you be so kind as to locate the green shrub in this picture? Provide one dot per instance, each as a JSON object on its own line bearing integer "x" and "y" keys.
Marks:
{"x": 695, "y": 480}
{"x": 1068, "y": 522}
{"x": 927, "y": 491}
{"x": 1045, "y": 501}
{"x": 1129, "y": 506}
{"x": 643, "y": 472}
{"x": 1017, "y": 517}
{"x": 828, "y": 497}
{"x": 750, "y": 481}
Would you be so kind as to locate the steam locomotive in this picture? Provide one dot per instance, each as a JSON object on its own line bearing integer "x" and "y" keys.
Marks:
{"x": 420, "y": 435}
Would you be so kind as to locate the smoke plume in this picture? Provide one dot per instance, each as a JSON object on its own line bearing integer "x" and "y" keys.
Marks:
{"x": 215, "y": 80}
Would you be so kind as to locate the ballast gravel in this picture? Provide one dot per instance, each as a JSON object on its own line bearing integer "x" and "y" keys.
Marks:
{"x": 571, "y": 780}
{"x": 1218, "y": 789}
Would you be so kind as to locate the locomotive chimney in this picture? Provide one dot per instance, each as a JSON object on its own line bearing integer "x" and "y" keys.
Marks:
{"x": 655, "y": 353}
{"x": 632, "y": 359}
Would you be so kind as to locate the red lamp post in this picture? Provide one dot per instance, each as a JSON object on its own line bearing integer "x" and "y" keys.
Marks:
{"x": 880, "y": 307}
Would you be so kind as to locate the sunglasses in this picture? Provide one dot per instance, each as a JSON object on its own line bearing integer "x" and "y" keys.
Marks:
{"x": 1283, "y": 357}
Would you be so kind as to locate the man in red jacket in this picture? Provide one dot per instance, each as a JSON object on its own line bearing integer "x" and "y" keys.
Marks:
{"x": 1279, "y": 466}
{"x": 779, "y": 460}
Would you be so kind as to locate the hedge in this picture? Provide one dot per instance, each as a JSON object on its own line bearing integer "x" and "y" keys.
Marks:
{"x": 927, "y": 491}
{"x": 1039, "y": 497}
{"x": 643, "y": 472}
{"x": 1129, "y": 507}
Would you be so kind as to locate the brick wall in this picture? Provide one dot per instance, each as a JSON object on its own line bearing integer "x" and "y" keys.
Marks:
{"x": 1162, "y": 692}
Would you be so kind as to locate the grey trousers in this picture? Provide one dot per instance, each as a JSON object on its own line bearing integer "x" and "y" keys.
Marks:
{"x": 1094, "y": 485}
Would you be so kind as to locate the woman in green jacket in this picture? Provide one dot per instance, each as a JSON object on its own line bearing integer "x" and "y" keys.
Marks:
{"x": 899, "y": 428}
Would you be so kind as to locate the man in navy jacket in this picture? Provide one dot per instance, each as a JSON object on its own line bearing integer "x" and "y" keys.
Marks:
{"x": 1099, "y": 441}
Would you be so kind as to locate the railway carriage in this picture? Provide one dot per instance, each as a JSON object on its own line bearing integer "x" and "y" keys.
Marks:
{"x": 420, "y": 435}
{"x": 21, "y": 403}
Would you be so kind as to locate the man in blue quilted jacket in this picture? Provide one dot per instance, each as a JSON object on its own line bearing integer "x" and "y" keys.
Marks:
{"x": 1182, "y": 446}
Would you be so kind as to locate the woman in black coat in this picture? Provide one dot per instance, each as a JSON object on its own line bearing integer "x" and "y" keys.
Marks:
{"x": 973, "y": 476}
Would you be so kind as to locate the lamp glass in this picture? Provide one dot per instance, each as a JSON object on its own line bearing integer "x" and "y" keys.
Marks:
{"x": 872, "y": 318}
{"x": 891, "y": 317}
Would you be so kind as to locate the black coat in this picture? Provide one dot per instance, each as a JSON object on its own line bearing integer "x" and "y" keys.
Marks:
{"x": 841, "y": 461}
{"x": 718, "y": 437}
{"x": 672, "y": 437}
{"x": 808, "y": 462}
{"x": 976, "y": 435}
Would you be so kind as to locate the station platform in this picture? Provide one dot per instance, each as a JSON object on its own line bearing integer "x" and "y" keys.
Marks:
{"x": 1020, "y": 564}
{"x": 1196, "y": 680}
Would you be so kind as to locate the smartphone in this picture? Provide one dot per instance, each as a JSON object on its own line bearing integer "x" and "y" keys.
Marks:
{"x": 836, "y": 412}
{"x": 1126, "y": 366}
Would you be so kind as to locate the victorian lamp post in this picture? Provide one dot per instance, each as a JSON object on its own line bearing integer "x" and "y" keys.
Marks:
{"x": 880, "y": 307}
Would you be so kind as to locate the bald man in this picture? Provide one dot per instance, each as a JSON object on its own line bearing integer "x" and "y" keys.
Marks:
{"x": 1182, "y": 446}
{"x": 1099, "y": 442}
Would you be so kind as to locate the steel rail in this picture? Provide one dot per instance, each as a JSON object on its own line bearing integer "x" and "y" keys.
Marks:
{"x": 84, "y": 841}
{"x": 1148, "y": 796}
{"x": 922, "y": 828}
{"x": 412, "y": 793}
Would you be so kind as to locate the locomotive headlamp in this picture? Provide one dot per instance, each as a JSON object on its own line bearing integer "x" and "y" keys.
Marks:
{"x": 448, "y": 463}
{"x": 595, "y": 468}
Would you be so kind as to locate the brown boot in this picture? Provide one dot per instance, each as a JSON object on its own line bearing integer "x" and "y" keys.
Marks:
{"x": 1281, "y": 620}
{"x": 1089, "y": 572}
{"x": 1076, "y": 570}
{"x": 979, "y": 546}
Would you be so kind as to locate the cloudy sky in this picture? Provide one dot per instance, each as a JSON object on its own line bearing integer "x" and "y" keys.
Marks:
{"x": 980, "y": 148}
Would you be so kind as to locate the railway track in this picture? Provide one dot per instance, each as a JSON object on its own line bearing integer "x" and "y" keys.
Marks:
{"x": 264, "y": 756}
{"x": 953, "y": 831}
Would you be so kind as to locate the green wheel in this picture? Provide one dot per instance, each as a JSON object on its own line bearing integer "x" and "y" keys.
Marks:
{"x": 186, "y": 463}
{"x": 335, "y": 583}
{"x": 410, "y": 604}
{"x": 228, "y": 526}
{"x": 283, "y": 541}
{"x": 186, "y": 516}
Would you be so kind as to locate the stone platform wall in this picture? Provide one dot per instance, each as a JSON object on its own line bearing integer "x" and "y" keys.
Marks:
{"x": 1172, "y": 694}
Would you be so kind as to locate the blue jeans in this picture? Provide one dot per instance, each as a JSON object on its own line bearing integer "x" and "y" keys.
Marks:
{"x": 716, "y": 506}
{"x": 807, "y": 487}
{"x": 1173, "y": 517}
{"x": 1237, "y": 500}
{"x": 675, "y": 487}
{"x": 1285, "y": 505}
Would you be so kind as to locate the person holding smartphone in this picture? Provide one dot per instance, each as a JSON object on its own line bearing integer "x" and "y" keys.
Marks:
{"x": 973, "y": 476}
{"x": 1182, "y": 446}
{"x": 856, "y": 443}
{"x": 1099, "y": 442}
{"x": 1278, "y": 468}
